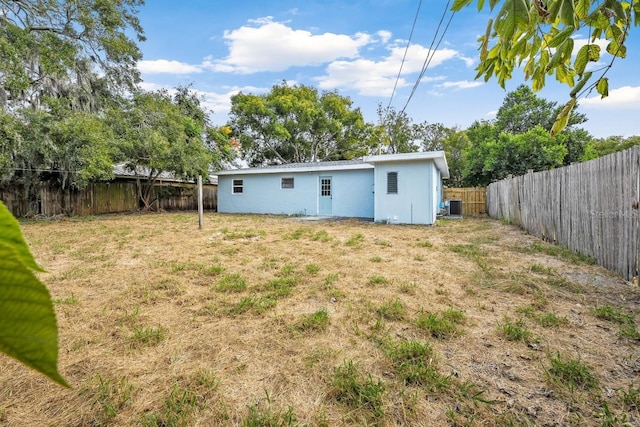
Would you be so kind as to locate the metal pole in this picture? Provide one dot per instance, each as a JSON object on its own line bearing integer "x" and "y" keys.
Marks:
{"x": 200, "y": 208}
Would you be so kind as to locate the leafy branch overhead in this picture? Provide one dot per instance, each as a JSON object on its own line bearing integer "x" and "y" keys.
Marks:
{"x": 28, "y": 329}
{"x": 541, "y": 35}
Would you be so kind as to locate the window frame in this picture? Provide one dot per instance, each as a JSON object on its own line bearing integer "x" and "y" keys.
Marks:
{"x": 282, "y": 183}
{"x": 235, "y": 186}
{"x": 390, "y": 187}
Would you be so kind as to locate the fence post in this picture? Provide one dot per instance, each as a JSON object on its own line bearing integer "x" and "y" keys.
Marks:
{"x": 200, "y": 209}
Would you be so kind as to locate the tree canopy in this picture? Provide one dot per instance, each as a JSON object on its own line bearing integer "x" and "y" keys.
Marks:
{"x": 159, "y": 133}
{"x": 541, "y": 35}
{"x": 518, "y": 140}
{"x": 58, "y": 48}
{"x": 296, "y": 124}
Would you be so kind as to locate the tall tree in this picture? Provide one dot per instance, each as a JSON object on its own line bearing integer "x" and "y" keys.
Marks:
{"x": 160, "y": 133}
{"x": 46, "y": 45}
{"x": 539, "y": 33}
{"x": 495, "y": 156}
{"x": 522, "y": 110}
{"x": 39, "y": 146}
{"x": 453, "y": 141}
{"x": 295, "y": 124}
{"x": 399, "y": 131}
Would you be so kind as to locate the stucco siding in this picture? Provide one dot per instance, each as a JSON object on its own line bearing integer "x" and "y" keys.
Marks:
{"x": 352, "y": 193}
{"x": 414, "y": 202}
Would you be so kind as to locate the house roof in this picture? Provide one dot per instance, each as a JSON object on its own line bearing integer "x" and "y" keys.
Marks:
{"x": 301, "y": 167}
{"x": 121, "y": 171}
{"x": 438, "y": 157}
{"x": 365, "y": 163}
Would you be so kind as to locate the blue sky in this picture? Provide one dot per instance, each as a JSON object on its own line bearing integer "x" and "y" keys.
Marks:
{"x": 355, "y": 47}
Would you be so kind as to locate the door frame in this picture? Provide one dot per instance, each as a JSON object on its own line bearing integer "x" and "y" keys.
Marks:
{"x": 321, "y": 205}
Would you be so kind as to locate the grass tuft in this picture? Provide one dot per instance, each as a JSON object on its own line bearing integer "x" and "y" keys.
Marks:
{"x": 232, "y": 283}
{"x": 514, "y": 330}
{"x": 264, "y": 415}
{"x": 415, "y": 363}
{"x": 177, "y": 409}
{"x": 110, "y": 398}
{"x": 378, "y": 280}
{"x": 570, "y": 373}
{"x": 392, "y": 310}
{"x": 317, "y": 321}
{"x": 359, "y": 392}
{"x": 148, "y": 335}
{"x": 355, "y": 241}
{"x": 441, "y": 325}
{"x": 626, "y": 320}
{"x": 312, "y": 269}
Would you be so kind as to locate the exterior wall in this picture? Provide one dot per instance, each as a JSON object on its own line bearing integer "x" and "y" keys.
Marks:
{"x": 438, "y": 193}
{"x": 417, "y": 198}
{"x": 352, "y": 193}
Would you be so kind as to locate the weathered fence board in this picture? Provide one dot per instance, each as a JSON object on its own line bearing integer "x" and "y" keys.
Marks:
{"x": 474, "y": 199}
{"x": 590, "y": 207}
{"x": 103, "y": 198}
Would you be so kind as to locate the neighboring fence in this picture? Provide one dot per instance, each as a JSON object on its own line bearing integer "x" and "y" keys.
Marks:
{"x": 103, "y": 198}
{"x": 474, "y": 199}
{"x": 590, "y": 207}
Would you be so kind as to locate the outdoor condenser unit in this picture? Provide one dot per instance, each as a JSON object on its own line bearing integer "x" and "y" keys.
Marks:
{"x": 454, "y": 207}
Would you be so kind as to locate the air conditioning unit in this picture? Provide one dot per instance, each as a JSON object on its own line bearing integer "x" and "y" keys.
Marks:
{"x": 454, "y": 207}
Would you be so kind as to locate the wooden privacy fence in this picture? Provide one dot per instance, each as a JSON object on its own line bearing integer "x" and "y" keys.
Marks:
{"x": 104, "y": 198}
{"x": 590, "y": 207}
{"x": 474, "y": 199}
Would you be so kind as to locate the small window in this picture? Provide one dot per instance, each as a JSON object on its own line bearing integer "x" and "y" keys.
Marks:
{"x": 286, "y": 183}
{"x": 392, "y": 182}
{"x": 238, "y": 186}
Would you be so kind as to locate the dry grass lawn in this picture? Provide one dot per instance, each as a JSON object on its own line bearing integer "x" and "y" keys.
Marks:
{"x": 272, "y": 321}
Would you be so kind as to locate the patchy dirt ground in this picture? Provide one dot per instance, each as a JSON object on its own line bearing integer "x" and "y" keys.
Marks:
{"x": 263, "y": 320}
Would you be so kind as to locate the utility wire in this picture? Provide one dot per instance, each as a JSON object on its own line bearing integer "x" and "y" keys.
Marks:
{"x": 431, "y": 53}
{"x": 404, "y": 57}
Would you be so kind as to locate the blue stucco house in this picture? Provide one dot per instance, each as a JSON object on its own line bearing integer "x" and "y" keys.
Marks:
{"x": 395, "y": 188}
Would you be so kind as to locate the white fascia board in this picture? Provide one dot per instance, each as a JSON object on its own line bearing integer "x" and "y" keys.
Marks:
{"x": 438, "y": 157}
{"x": 255, "y": 171}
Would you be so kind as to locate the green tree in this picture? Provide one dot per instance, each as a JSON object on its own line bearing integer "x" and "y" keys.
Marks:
{"x": 160, "y": 133}
{"x": 522, "y": 110}
{"x": 539, "y": 34}
{"x": 295, "y": 124}
{"x": 453, "y": 141}
{"x": 599, "y": 147}
{"x": 40, "y": 147}
{"x": 44, "y": 43}
{"x": 495, "y": 156}
{"x": 399, "y": 133}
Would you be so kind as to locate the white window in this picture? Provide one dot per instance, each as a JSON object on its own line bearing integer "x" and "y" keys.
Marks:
{"x": 238, "y": 186}
{"x": 392, "y": 182}
{"x": 286, "y": 183}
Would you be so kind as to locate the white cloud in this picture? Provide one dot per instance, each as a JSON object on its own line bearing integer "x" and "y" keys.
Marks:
{"x": 220, "y": 102}
{"x": 626, "y": 97}
{"x": 384, "y": 35}
{"x": 159, "y": 66}
{"x": 377, "y": 78}
{"x": 464, "y": 84}
{"x": 274, "y": 46}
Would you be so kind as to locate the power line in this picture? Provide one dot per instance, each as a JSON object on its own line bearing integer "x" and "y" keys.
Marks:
{"x": 431, "y": 53}
{"x": 404, "y": 57}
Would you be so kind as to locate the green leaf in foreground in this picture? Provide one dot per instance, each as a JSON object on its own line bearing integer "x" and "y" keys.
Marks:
{"x": 11, "y": 235}
{"x": 28, "y": 328}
